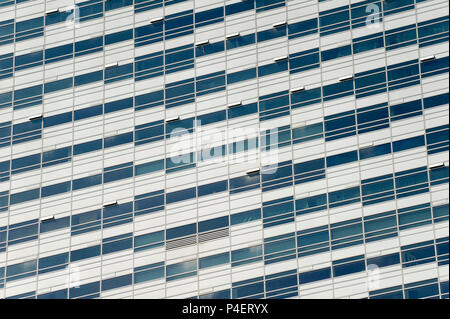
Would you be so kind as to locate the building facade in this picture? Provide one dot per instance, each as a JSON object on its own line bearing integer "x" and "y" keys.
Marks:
{"x": 224, "y": 149}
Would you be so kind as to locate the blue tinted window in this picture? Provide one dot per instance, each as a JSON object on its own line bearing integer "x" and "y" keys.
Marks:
{"x": 151, "y": 273}
{"x": 25, "y": 196}
{"x": 86, "y": 182}
{"x": 345, "y": 196}
{"x": 84, "y": 253}
{"x": 54, "y": 224}
{"x": 54, "y": 260}
{"x": 311, "y": 204}
{"x": 248, "y": 290}
{"x": 87, "y": 147}
{"x": 244, "y": 183}
{"x": 181, "y": 231}
{"x": 342, "y": 158}
{"x": 241, "y": 76}
{"x": 239, "y": 41}
{"x": 246, "y": 254}
{"x": 239, "y": 7}
{"x": 368, "y": 43}
{"x": 184, "y": 267}
{"x": 374, "y": 151}
{"x": 336, "y": 53}
{"x": 85, "y": 289}
{"x": 149, "y": 167}
{"x": 315, "y": 275}
{"x": 214, "y": 260}
{"x": 55, "y": 189}
{"x": 408, "y": 143}
{"x": 348, "y": 267}
{"x": 149, "y": 239}
{"x": 116, "y": 282}
{"x": 209, "y": 49}
{"x": 115, "y": 4}
{"x": 212, "y": 224}
{"x": 245, "y": 217}
{"x": 204, "y": 18}
{"x": 22, "y": 268}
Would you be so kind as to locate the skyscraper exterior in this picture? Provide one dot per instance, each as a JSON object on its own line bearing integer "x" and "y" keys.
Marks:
{"x": 224, "y": 149}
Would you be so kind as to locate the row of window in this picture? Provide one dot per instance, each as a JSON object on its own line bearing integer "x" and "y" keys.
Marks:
{"x": 4, "y": 3}
{"x": 276, "y": 288}
{"x": 180, "y": 58}
{"x": 274, "y": 212}
{"x": 275, "y": 107}
{"x": 179, "y": 93}
{"x": 182, "y": 23}
{"x": 337, "y": 126}
{"x": 174, "y": 25}
{"x": 411, "y": 255}
{"x": 417, "y": 290}
{"x": 423, "y": 289}
{"x": 369, "y": 118}
{"x": 303, "y": 172}
{"x": 371, "y": 191}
